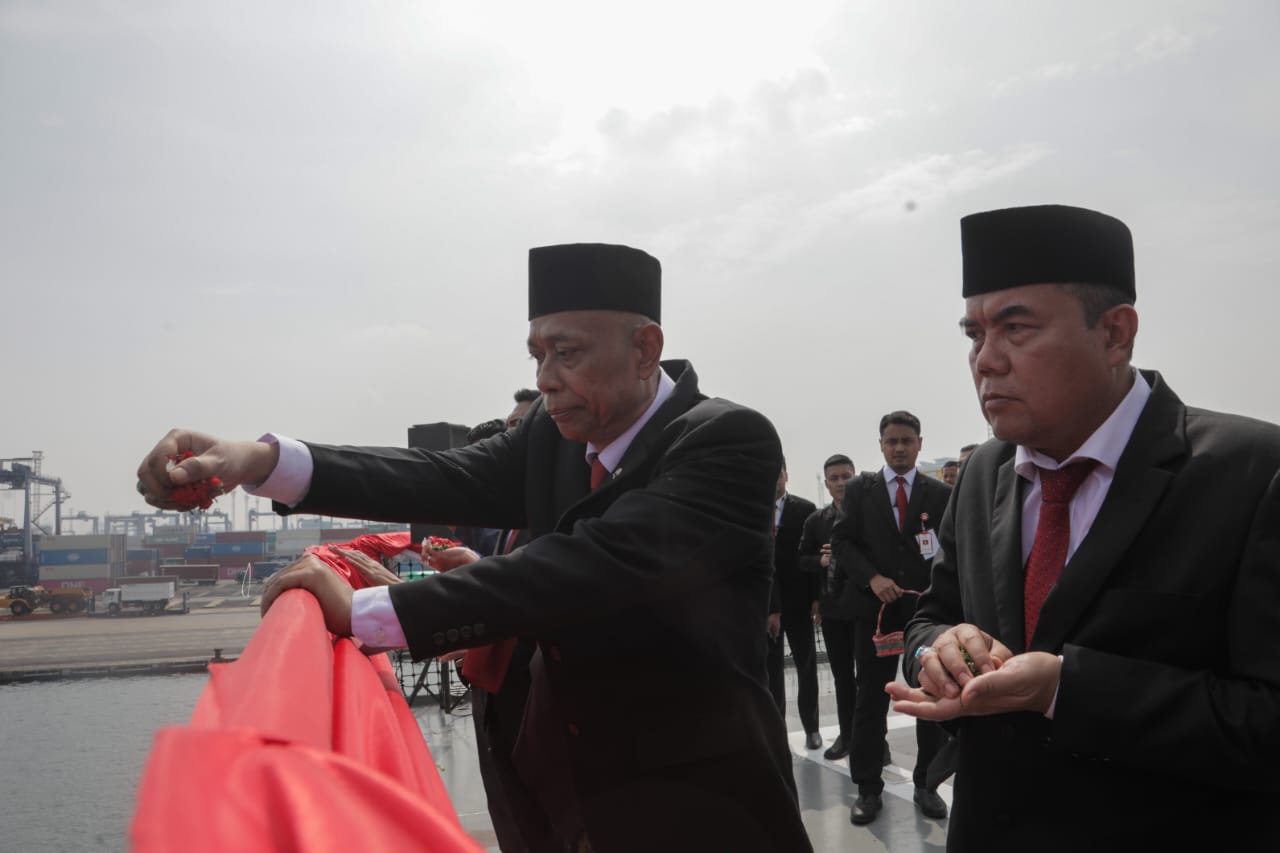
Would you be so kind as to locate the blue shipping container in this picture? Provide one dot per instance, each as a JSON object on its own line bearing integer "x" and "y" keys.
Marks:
{"x": 142, "y": 554}
{"x": 75, "y": 558}
{"x": 234, "y": 549}
{"x": 196, "y": 553}
{"x": 205, "y": 538}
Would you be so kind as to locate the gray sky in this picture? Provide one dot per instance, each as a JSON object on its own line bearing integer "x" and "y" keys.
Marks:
{"x": 314, "y": 218}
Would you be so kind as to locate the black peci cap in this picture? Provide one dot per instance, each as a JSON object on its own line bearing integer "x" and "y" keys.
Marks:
{"x": 1045, "y": 244}
{"x": 594, "y": 277}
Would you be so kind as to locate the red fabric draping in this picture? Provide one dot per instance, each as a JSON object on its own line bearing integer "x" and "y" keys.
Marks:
{"x": 302, "y": 744}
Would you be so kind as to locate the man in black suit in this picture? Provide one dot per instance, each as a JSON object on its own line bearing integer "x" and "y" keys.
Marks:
{"x": 834, "y": 615}
{"x": 1126, "y": 634}
{"x": 883, "y": 543}
{"x": 645, "y": 581}
{"x": 792, "y": 601}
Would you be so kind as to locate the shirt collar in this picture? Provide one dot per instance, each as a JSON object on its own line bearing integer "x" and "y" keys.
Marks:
{"x": 891, "y": 475}
{"x": 612, "y": 454}
{"x": 1107, "y": 442}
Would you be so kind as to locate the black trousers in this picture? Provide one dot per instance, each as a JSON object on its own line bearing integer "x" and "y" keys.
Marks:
{"x": 870, "y": 717}
{"x": 798, "y": 629}
{"x": 837, "y": 635}
{"x": 518, "y": 820}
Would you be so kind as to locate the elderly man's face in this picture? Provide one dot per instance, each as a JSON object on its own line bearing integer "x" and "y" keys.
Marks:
{"x": 594, "y": 370}
{"x": 1043, "y": 377}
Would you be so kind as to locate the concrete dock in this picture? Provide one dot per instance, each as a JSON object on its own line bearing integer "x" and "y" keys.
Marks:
{"x": 97, "y": 646}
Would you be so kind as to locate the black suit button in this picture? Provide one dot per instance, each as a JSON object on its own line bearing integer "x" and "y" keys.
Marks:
{"x": 479, "y": 629}
{"x": 573, "y": 730}
{"x": 554, "y": 651}
{"x": 452, "y": 634}
{"x": 1004, "y": 818}
{"x": 465, "y": 632}
{"x": 437, "y": 638}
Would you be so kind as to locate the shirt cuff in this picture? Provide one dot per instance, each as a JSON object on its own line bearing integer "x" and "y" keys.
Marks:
{"x": 291, "y": 479}
{"x": 1053, "y": 706}
{"x": 373, "y": 619}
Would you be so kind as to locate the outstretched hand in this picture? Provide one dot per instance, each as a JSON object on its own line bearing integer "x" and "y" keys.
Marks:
{"x": 1026, "y": 682}
{"x": 232, "y": 462}
{"x": 373, "y": 572}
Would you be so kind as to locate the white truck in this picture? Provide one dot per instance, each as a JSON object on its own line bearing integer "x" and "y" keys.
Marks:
{"x": 150, "y": 596}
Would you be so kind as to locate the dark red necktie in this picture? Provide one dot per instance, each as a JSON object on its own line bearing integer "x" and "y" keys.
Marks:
{"x": 1053, "y": 536}
{"x": 486, "y": 666}
{"x": 598, "y": 472}
{"x": 901, "y": 500}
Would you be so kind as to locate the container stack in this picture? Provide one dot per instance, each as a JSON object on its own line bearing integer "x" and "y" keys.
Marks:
{"x": 92, "y": 562}
{"x": 233, "y": 551}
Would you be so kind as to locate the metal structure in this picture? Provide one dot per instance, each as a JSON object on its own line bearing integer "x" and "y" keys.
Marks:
{"x": 17, "y": 474}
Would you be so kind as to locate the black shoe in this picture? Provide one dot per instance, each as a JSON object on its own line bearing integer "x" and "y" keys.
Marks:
{"x": 839, "y": 749}
{"x": 813, "y": 740}
{"x": 865, "y": 809}
{"x": 885, "y": 761}
{"x": 930, "y": 803}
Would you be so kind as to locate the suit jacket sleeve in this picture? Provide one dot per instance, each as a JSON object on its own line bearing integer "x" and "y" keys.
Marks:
{"x": 848, "y": 543}
{"x": 701, "y": 521}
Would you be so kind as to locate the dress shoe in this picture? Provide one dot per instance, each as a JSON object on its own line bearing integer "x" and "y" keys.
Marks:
{"x": 930, "y": 803}
{"x": 865, "y": 809}
{"x": 885, "y": 761}
{"x": 839, "y": 749}
{"x": 813, "y": 740}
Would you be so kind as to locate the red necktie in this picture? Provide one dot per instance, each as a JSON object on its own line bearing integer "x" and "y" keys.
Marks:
{"x": 486, "y": 666}
{"x": 598, "y": 472}
{"x": 901, "y": 500}
{"x": 1053, "y": 535}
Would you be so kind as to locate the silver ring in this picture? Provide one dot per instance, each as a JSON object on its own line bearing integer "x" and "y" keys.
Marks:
{"x": 925, "y": 650}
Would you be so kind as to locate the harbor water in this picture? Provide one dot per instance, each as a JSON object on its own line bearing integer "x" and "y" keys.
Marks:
{"x": 73, "y": 754}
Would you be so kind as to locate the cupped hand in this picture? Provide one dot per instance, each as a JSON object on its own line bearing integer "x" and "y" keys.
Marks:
{"x": 450, "y": 558}
{"x": 1026, "y": 682}
{"x": 232, "y": 462}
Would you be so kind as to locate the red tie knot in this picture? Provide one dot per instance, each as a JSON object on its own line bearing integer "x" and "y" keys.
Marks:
{"x": 598, "y": 472}
{"x": 1059, "y": 485}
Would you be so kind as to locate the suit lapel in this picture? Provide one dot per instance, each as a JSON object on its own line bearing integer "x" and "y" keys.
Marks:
{"x": 878, "y": 491}
{"x": 1142, "y": 476}
{"x": 1006, "y": 553}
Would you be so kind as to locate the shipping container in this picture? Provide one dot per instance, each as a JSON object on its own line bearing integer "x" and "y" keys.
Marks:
{"x": 204, "y": 539}
{"x": 171, "y": 535}
{"x": 194, "y": 571}
{"x": 223, "y": 549}
{"x": 171, "y": 550}
{"x": 95, "y": 585}
{"x": 155, "y": 579}
{"x": 79, "y": 543}
{"x": 75, "y": 557}
{"x": 136, "y": 554}
{"x": 241, "y": 536}
{"x": 78, "y": 572}
{"x": 197, "y": 553}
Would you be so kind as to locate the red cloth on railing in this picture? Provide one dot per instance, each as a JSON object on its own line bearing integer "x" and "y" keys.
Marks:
{"x": 302, "y": 744}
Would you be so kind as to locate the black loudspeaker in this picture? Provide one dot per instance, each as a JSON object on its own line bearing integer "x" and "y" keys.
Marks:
{"x": 437, "y": 436}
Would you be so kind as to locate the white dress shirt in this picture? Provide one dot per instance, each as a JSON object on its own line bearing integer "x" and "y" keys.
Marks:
{"x": 373, "y": 617}
{"x": 1105, "y": 445}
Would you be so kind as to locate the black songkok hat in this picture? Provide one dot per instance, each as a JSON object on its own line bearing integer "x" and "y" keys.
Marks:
{"x": 594, "y": 277}
{"x": 1047, "y": 244}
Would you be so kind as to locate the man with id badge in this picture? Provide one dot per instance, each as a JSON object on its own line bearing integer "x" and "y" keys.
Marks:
{"x": 883, "y": 546}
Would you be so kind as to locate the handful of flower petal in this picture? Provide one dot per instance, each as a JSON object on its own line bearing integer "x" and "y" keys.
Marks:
{"x": 196, "y": 495}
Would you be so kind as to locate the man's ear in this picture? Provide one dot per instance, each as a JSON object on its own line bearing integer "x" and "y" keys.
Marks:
{"x": 648, "y": 342}
{"x": 1120, "y": 322}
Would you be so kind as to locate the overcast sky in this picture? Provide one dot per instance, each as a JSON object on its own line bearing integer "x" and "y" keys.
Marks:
{"x": 314, "y": 218}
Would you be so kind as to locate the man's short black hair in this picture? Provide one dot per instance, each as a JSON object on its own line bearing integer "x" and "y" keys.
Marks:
{"x": 486, "y": 429}
{"x": 837, "y": 459}
{"x": 969, "y": 448}
{"x": 1097, "y": 299}
{"x": 902, "y": 418}
{"x": 527, "y": 395}
{"x": 951, "y": 463}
